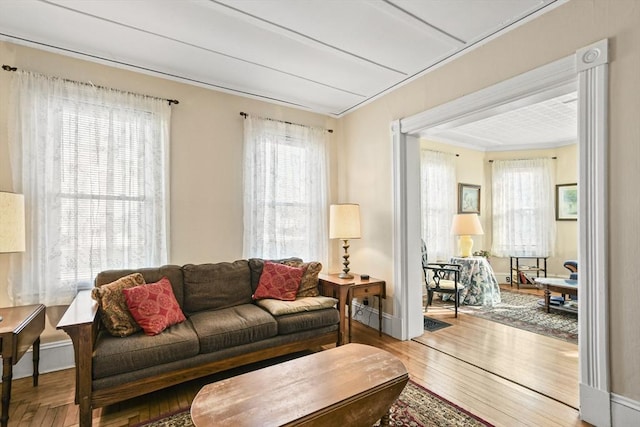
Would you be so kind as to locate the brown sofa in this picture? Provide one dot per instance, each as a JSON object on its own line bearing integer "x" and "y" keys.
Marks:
{"x": 225, "y": 328}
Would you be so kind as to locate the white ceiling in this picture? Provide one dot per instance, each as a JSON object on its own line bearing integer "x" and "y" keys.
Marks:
{"x": 533, "y": 124}
{"x": 327, "y": 56}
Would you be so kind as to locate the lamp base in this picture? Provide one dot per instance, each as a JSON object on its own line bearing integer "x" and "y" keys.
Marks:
{"x": 345, "y": 274}
{"x": 465, "y": 244}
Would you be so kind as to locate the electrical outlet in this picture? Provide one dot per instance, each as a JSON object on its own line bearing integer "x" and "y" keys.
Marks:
{"x": 508, "y": 279}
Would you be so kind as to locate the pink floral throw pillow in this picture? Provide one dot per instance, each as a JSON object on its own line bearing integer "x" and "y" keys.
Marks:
{"x": 278, "y": 281}
{"x": 154, "y": 306}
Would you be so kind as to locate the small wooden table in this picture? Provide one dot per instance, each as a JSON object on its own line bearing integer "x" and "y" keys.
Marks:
{"x": 350, "y": 385}
{"x": 563, "y": 286}
{"x": 20, "y": 329}
{"x": 347, "y": 289}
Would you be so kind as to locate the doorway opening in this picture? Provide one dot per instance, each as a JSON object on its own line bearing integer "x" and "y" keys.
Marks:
{"x": 589, "y": 67}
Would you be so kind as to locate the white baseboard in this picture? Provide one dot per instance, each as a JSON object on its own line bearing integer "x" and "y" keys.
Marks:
{"x": 624, "y": 411}
{"x": 390, "y": 325}
{"x": 54, "y": 356}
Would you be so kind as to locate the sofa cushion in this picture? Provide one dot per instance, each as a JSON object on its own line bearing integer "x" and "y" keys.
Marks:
{"x": 113, "y": 307}
{"x": 309, "y": 283}
{"x": 113, "y": 355}
{"x": 232, "y": 326}
{"x": 279, "y": 281}
{"x": 257, "y": 264}
{"x": 297, "y": 322}
{"x": 278, "y": 308}
{"x": 153, "y": 306}
{"x": 216, "y": 286}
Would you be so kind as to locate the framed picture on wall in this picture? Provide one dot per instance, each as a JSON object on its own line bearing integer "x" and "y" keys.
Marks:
{"x": 468, "y": 198}
{"x": 567, "y": 202}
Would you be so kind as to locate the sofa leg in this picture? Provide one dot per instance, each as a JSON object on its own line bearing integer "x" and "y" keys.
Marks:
{"x": 86, "y": 412}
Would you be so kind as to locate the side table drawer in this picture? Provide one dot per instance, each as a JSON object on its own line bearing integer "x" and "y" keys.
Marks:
{"x": 363, "y": 291}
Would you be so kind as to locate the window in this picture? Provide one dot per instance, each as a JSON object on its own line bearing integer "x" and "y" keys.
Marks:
{"x": 438, "y": 198}
{"x": 285, "y": 183}
{"x": 523, "y": 210}
{"x": 92, "y": 164}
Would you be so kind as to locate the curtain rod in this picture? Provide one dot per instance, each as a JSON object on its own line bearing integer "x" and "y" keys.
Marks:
{"x": 552, "y": 158}
{"x": 441, "y": 152}
{"x": 243, "y": 114}
{"x": 170, "y": 101}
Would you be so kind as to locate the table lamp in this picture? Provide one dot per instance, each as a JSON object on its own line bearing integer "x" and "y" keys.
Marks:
{"x": 344, "y": 224}
{"x": 464, "y": 226}
{"x": 12, "y": 235}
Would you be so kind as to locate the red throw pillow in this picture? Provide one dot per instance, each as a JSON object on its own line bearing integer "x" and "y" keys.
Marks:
{"x": 154, "y": 306}
{"x": 278, "y": 281}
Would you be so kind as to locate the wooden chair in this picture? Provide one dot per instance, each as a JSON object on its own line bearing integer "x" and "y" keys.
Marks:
{"x": 441, "y": 274}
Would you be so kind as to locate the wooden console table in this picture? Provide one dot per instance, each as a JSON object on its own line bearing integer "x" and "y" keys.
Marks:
{"x": 347, "y": 289}
{"x": 351, "y": 385}
{"x": 20, "y": 329}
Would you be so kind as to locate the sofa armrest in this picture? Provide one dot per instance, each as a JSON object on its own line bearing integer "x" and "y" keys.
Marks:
{"x": 80, "y": 322}
{"x": 82, "y": 311}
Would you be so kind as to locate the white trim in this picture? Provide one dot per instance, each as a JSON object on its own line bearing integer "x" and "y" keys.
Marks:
{"x": 624, "y": 411}
{"x": 391, "y": 325}
{"x": 589, "y": 65}
{"x": 593, "y": 322}
{"x": 406, "y": 245}
{"x": 543, "y": 82}
{"x": 54, "y": 356}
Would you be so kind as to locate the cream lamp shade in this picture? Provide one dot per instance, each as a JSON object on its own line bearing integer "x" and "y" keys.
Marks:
{"x": 344, "y": 224}
{"x": 465, "y": 226}
{"x": 344, "y": 221}
{"x": 12, "y": 233}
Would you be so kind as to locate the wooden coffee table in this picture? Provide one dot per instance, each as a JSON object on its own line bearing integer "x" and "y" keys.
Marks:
{"x": 350, "y": 385}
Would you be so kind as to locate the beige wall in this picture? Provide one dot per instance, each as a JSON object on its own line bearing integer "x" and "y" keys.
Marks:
{"x": 206, "y": 153}
{"x": 552, "y": 36}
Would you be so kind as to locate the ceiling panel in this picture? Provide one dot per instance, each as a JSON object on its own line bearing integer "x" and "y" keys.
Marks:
{"x": 327, "y": 56}
{"x": 547, "y": 124}
{"x": 470, "y": 20}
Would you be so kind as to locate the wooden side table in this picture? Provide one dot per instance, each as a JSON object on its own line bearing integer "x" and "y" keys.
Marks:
{"x": 347, "y": 289}
{"x": 19, "y": 330}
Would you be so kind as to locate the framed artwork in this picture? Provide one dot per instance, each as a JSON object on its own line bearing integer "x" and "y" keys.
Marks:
{"x": 567, "y": 202}
{"x": 468, "y": 198}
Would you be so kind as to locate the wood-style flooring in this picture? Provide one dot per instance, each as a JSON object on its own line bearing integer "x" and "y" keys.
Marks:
{"x": 457, "y": 362}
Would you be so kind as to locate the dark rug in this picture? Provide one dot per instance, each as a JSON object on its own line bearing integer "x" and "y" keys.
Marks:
{"x": 523, "y": 311}
{"x": 432, "y": 325}
{"x": 415, "y": 407}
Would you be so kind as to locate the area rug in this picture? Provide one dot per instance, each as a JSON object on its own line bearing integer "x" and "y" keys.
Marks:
{"x": 432, "y": 325}
{"x": 522, "y": 311}
{"x": 415, "y": 407}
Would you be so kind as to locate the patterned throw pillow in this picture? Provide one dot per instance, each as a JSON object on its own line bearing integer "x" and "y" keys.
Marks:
{"x": 154, "y": 306}
{"x": 309, "y": 282}
{"x": 278, "y": 281}
{"x": 113, "y": 306}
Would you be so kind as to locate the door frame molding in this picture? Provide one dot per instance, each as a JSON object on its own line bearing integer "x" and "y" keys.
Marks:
{"x": 589, "y": 68}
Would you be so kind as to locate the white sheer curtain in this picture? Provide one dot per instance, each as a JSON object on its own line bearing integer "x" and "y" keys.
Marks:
{"x": 438, "y": 198}
{"x": 285, "y": 190}
{"x": 523, "y": 207}
{"x": 93, "y": 166}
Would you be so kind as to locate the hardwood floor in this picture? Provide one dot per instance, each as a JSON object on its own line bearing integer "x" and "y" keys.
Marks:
{"x": 437, "y": 363}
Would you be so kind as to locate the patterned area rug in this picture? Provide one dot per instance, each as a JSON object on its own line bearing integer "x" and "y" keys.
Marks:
{"x": 523, "y": 311}
{"x": 415, "y": 407}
